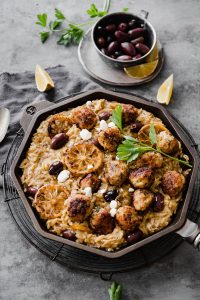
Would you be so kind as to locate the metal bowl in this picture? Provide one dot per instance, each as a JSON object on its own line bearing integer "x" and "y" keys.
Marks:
{"x": 40, "y": 111}
{"x": 125, "y": 17}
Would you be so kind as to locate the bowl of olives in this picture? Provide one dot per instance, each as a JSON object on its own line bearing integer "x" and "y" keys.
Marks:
{"x": 123, "y": 39}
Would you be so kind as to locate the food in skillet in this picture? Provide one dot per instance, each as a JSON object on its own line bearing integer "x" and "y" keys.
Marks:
{"x": 104, "y": 174}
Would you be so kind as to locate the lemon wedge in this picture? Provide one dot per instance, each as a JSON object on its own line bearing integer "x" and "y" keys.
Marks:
{"x": 143, "y": 70}
{"x": 153, "y": 55}
{"x": 43, "y": 80}
{"x": 165, "y": 90}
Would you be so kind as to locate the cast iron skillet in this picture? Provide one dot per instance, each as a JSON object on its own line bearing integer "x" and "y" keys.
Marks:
{"x": 32, "y": 117}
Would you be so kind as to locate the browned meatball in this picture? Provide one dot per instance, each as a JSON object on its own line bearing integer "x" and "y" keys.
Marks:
{"x": 110, "y": 138}
{"x": 102, "y": 222}
{"x": 79, "y": 207}
{"x": 85, "y": 118}
{"x": 142, "y": 199}
{"x": 142, "y": 177}
{"x": 91, "y": 180}
{"x": 151, "y": 159}
{"x": 116, "y": 172}
{"x": 167, "y": 142}
{"x": 129, "y": 113}
{"x": 172, "y": 183}
{"x": 127, "y": 218}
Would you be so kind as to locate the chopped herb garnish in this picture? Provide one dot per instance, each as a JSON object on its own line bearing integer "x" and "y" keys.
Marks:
{"x": 117, "y": 116}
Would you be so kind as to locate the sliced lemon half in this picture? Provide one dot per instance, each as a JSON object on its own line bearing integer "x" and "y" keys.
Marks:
{"x": 143, "y": 70}
{"x": 43, "y": 80}
{"x": 165, "y": 90}
{"x": 153, "y": 55}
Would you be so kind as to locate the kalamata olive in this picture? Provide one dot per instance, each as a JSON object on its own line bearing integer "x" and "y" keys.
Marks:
{"x": 31, "y": 191}
{"x": 124, "y": 57}
{"x": 158, "y": 202}
{"x": 110, "y": 39}
{"x": 142, "y": 48}
{"x": 110, "y": 195}
{"x": 132, "y": 24}
{"x": 55, "y": 168}
{"x": 112, "y": 56}
{"x": 104, "y": 51}
{"x": 59, "y": 140}
{"x": 137, "y": 56}
{"x": 134, "y": 33}
{"x": 121, "y": 36}
{"x": 128, "y": 49}
{"x": 96, "y": 143}
{"x": 105, "y": 115}
{"x": 101, "y": 42}
{"x": 111, "y": 28}
{"x": 101, "y": 30}
{"x": 122, "y": 27}
{"x": 135, "y": 127}
{"x": 112, "y": 47}
{"x": 140, "y": 39}
{"x": 118, "y": 53}
{"x": 69, "y": 234}
{"x": 134, "y": 237}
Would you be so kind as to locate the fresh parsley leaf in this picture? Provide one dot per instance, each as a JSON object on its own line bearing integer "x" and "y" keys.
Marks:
{"x": 44, "y": 36}
{"x": 54, "y": 24}
{"x": 152, "y": 135}
{"x": 73, "y": 35}
{"x": 117, "y": 116}
{"x": 42, "y": 20}
{"x": 59, "y": 15}
{"x": 93, "y": 12}
{"x": 125, "y": 9}
{"x": 115, "y": 291}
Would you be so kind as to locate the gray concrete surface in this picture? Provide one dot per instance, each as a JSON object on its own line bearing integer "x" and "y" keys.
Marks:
{"x": 25, "y": 274}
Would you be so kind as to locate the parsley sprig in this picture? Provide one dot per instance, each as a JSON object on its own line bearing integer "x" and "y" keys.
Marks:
{"x": 115, "y": 291}
{"x": 73, "y": 32}
{"x": 131, "y": 147}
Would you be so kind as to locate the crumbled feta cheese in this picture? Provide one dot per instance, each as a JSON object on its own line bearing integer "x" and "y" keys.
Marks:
{"x": 102, "y": 191}
{"x": 117, "y": 158}
{"x": 88, "y": 103}
{"x": 103, "y": 125}
{"x": 88, "y": 191}
{"x": 63, "y": 176}
{"x": 113, "y": 204}
{"x": 111, "y": 124}
{"x": 85, "y": 134}
{"x": 113, "y": 212}
{"x": 131, "y": 190}
{"x": 90, "y": 167}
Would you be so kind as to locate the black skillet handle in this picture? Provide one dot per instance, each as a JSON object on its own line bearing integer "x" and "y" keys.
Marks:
{"x": 191, "y": 233}
{"x": 30, "y": 110}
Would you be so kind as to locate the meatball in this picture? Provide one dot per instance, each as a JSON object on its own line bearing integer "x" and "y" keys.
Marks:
{"x": 172, "y": 183}
{"x": 167, "y": 142}
{"x": 110, "y": 138}
{"x": 85, "y": 118}
{"x": 79, "y": 207}
{"x": 129, "y": 113}
{"x": 142, "y": 177}
{"x": 127, "y": 218}
{"x": 142, "y": 199}
{"x": 116, "y": 172}
{"x": 151, "y": 159}
{"x": 102, "y": 222}
{"x": 91, "y": 180}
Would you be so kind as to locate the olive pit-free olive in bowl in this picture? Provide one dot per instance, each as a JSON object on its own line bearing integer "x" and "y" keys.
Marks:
{"x": 123, "y": 39}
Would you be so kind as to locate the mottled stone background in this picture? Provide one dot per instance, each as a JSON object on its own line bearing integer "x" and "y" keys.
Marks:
{"x": 26, "y": 274}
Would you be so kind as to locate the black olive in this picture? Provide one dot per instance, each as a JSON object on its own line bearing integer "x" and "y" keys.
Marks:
{"x": 31, "y": 191}
{"x": 111, "y": 195}
{"x": 134, "y": 237}
{"x": 158, "y": 202}
{"x": 69, "y": 234}
{"x": 55, "y": 168}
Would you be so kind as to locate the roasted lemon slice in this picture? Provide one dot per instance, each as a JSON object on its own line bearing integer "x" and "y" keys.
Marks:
{"x": 143, "y": 134}
{"x": 58, "y": 124}
{"x": 49, "y": 201}
{"x": 83, "y": 159}
{"x": 143, "y": 70}
{"x": 43, "y": 80}
{"x": 165, "y": 90}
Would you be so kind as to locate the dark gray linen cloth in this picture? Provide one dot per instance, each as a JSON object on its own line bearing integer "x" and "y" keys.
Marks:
{"x": 18, "y": 90}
